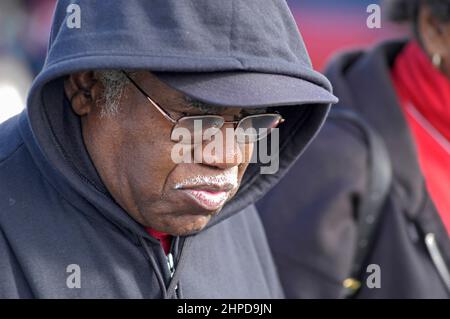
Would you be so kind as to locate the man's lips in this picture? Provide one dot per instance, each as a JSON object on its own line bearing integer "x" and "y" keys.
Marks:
{"x": 207, "y": 199}
{"x": 209, "y": 192}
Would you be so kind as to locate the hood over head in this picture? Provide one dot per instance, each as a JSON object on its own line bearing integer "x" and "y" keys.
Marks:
{"x": 227, "y": 53}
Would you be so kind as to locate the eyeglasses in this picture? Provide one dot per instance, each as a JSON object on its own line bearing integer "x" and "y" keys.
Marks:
{"x": 248, "y": 129}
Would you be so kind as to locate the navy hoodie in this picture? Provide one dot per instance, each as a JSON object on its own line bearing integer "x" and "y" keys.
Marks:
{"x": 62, "y": 235}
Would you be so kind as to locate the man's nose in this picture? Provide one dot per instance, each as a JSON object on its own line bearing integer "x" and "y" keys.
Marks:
{"x": 223, "y": 151}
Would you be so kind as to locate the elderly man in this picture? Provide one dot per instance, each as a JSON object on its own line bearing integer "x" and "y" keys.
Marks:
{"x": 93, "y": 202}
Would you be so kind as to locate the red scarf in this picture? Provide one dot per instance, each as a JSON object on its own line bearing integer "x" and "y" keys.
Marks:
{"x": 424, "y": 94}
{"x": 164, "y": 239}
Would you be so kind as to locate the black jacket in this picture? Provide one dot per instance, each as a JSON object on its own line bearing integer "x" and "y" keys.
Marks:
{"x": 313, "y": 212}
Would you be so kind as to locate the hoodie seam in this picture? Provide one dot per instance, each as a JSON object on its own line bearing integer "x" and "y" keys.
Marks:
{"x": 66, "y": 158}
{"x": 11, "y": 154}
{"x": 283, "y": 71}
{"x": 105, "y": 53}
{"x": 231, "y": 35}
{"x": 61, "y": 195}
{"x": 68, "y": 202}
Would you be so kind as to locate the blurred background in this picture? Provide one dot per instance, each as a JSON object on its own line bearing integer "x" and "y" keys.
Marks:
{"x": 327, "y": 26}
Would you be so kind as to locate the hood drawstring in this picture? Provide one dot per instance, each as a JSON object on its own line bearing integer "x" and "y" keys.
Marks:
{"x": 174, "y": 283}
{"x": 154, "y": 265}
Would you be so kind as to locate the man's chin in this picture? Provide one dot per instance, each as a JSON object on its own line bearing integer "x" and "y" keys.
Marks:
{"x": 183, "y": 225}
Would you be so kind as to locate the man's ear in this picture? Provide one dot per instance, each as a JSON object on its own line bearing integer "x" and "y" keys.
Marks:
{"x": 82, "y": 89}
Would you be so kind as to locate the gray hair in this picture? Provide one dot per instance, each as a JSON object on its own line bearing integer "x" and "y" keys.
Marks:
{"x": 114, "y": 82}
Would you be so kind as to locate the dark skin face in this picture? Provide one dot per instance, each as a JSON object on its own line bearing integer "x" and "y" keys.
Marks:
{"x": 435, "y": 36}
{"x": 132, "y": 152}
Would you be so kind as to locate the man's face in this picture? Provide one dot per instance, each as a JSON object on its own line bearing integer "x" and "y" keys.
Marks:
{"x": 132, "y": 153}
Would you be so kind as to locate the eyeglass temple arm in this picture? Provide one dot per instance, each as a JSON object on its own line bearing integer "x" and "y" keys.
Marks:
{"x": 164, "y": 113}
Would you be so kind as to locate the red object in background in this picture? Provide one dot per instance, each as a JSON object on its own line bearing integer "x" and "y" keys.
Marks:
{"x": 327, "y": 31}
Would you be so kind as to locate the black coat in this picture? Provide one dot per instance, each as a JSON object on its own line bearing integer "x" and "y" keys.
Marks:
{"x": 311, "y": 213}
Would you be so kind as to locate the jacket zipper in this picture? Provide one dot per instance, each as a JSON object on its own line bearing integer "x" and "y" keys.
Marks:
{"x": 170, "y": 264}
{"x": 438, "y": 259}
